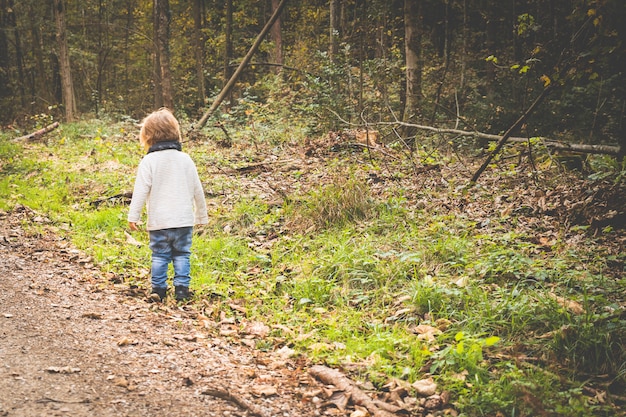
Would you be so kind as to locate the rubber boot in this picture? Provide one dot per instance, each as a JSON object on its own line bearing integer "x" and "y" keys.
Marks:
{"x": 181, "y": 293}
{"x": 158, "y": 294}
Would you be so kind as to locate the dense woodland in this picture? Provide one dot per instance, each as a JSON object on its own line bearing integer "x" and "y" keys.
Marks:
{"x": 501, "y": 297}
{"x": 466, "y": 64}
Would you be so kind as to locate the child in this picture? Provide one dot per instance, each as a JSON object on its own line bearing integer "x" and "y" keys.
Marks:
{"x": 168, "y": 184}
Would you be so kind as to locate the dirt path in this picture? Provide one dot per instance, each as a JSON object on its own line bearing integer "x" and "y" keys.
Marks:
{"x": 73, "y": 345}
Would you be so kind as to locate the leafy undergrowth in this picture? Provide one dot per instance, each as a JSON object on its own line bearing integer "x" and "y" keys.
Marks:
{"x": 510, "y": 294}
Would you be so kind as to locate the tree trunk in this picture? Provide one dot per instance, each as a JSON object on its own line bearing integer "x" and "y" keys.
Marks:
{"x": 413, "y": 51}
{"x": 162, "y": 22}
{"x": 277, "y": 36}
{"x": 41, "y": 81}
{"x": 67, "y": 88}
{"x": 5, "y": 90}
{"x": 335, "y": 22}
{"x": 158, "y": 83}
{"x": 127, "y": 43}
{"x": 198, "y": 19}
{"x": 228, "y": 51}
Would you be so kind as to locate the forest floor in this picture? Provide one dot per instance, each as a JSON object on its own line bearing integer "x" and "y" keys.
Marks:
{"x": 71, "y": 344}
{"x": 75, "y": 343}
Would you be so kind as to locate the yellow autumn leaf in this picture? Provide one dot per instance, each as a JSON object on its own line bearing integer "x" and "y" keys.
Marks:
{"x": 492, "y": 340}
{"x": 546, "y": 80}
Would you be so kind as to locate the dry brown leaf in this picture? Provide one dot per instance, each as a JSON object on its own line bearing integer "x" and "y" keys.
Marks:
{"x": 256, "y": 328}
{"x": 360, "y": 412}
{"x": 425, "y": 387}
{"x": 131, "y": 240}
{"x": 339, "y": 399}
{"x": 572, "y": 306}
{"x": 426, "y": 332}
{"x": 62, "y": 370}
{"x": 262, "y": 390}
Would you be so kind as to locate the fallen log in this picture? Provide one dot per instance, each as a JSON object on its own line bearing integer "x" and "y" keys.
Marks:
{"x": 549, "y": 143}
{"x": 331, "y": 376}
{"x": 38, "y": 134}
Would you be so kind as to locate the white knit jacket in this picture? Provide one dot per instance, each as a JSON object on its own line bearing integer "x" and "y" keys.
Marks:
{"x": 168, "y": 184}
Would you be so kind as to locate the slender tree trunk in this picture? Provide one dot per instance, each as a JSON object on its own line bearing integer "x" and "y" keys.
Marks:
{"x": 413, "y": 51}
{"x": 198, "y": 20}
{"x": 490, "y": 69}
{"x": 463, "y": 50}
{"x": 277, "y": 37}
{"x": 228, "y": 51}
{"x": 364, "y": 30}
{"x": 158, "y": 78}
{"x": 5, "y": 67}
{"x": 41, "y": 87}
{"x": 335, "y": 28}
{"x": 162, "y": 21}
{"x": 127, "y": 32}
{"x": 67, "y": 87}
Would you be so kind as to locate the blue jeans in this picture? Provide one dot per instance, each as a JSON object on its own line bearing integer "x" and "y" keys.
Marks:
{"x": 171, "y": 245}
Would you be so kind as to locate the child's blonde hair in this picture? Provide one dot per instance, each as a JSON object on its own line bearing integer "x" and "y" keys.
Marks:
{"x": 159, "y": 126}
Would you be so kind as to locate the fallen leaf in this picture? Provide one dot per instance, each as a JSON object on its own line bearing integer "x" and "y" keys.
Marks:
{"x": 360, "y": 412}
{"x": 285, "y": 352}
{"x": 131, "y": 240}
{"x": 572, "y": 306}
{"x": 340, "y": 399}
{"x": 425, "y": 387}
{"x": 426, "y": 332}
{"x": 256, "y": 328}
{"x": 126, "y": 342}
{"x": 264, "y": 390}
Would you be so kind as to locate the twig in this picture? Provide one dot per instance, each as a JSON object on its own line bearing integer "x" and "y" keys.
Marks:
{"x": 54, "y": 400}
{"x": 229, "y": 141}
{"x": 228, "y": 396}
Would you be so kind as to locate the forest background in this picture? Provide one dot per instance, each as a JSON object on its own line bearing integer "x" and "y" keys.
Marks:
{"x": 382, "y": 258}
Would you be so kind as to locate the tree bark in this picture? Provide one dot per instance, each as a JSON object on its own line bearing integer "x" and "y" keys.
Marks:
{"x": 244, "y": 62}
{"x": 277, "y": 36}
{"x": 67, "y": 87}
{"x": 162, "y": 21}
{"x": 38, "y": 134}
{"x": 335, "y": 22}
{"x": 412, "y": 48}
{"x": 4, "y": 50}
{"x": 198, "y": 20}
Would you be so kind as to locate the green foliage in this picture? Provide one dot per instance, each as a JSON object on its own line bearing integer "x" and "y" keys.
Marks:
{"x": 344, "y": 271}
{"x": 342, "y": 202}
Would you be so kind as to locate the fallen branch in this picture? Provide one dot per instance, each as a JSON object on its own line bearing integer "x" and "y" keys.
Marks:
{"x": 38, "y": 134}
{"x": 122, "y": 197}
{"x": 54, "y": 400}
{"x": 233, "y": 79}
{"x": 331, "y": 376}
{"x": 509, "y": 132}
{"x": 228, "y": 396}
{"x": 549, "y": 143}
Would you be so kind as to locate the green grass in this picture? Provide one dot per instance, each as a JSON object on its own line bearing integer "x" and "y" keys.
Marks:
{"x": 344, "y": 272}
